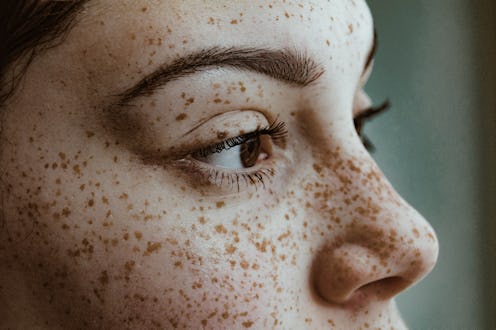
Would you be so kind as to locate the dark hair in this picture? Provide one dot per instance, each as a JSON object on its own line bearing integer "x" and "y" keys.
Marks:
{"x": 28, "y": 27}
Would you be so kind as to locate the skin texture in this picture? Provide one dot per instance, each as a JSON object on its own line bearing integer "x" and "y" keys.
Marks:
{"x": 105, "y": 227}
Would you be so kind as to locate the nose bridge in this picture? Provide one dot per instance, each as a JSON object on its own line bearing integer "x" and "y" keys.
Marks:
{"x": 377, "y": 244}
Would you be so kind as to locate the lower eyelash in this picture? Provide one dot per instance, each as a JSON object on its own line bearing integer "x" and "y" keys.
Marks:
{"x": 235, "y": 179}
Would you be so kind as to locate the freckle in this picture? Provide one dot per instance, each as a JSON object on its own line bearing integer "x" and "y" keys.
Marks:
{"x": 144, "y": 9}
{"x": 104, "y": 279}
{"x": 62, "y": 155}
{"x": 217, "y": 100}
{"x": 91, "y": 203}
{"x": 58, "y": 181}
{"x": 181, "y": 116}
{"x": 220, "y": 204}
{"x": 221, "y": 135}
{"x": 230, "y": 249}
{"x": 76, "y": 169}
{"x": 221, "y": 229}
{"x": 328, "y": 42}
{"x": 125, "y": 236}
{"x": 202, "y": 220}
{"x": 416, "y": 233}
{"x": 350, "y": 28}
{"x": 133, "y": 36}
{"x": 152, "y": 247}
{"x": 89, "y": 134}
{"x": 234, "y": 21}
{"x": 286, "y": 14}
{"x": 138, "y": 235}
{"x": 55, "y": 165}
{"x": 247, "y": 324}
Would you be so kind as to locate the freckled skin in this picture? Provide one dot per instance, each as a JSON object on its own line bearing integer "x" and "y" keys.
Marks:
{"x": 99, "y": 230}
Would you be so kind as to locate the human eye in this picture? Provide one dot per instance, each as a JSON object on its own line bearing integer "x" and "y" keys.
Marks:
{"x": 366, "y": 115}
{"x": 245, "y": 159}
{"x": 243, "y": 151}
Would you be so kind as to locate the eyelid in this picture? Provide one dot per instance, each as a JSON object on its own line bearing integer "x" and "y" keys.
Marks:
{"x": 215, "y": 129}
{"x": 276, "y": 131}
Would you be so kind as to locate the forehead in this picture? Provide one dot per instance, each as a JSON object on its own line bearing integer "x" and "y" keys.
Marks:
{"x": 336, "y": 15}
{"x": 133, "y": 37}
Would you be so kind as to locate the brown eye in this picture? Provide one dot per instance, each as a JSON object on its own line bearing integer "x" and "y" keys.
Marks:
{"x": 250, "y": 151}
{"x": 244, "y": 154}
{"x": 243, "y": 151}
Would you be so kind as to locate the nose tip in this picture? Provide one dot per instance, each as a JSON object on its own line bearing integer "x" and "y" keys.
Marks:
{"x": 376, "y": 263}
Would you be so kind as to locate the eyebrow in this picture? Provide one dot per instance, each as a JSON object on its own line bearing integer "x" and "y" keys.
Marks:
{"x": 289, "y": 66}
{"x": 372, "y": 52}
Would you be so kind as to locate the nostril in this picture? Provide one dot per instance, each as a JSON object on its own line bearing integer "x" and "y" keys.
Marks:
{"x": 385, "y": 288}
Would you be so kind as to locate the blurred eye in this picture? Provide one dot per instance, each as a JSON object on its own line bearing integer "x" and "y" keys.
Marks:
{"x": 366, "y": 115}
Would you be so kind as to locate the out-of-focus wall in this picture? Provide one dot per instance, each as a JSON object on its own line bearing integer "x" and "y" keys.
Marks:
{"x": 437, "y": 145}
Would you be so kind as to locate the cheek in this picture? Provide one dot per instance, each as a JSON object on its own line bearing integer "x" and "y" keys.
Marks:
{"x": 115, "y": 239}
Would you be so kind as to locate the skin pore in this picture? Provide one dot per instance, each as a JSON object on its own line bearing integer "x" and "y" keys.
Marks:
{"x": 116, "y": 215}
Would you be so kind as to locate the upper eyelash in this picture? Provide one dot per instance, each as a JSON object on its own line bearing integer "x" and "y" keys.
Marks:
{"x": 365, "y": 115}
{"x": 276, "y": 131}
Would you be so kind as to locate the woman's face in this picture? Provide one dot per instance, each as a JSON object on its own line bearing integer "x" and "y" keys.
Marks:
{"x": 195, "y": 163}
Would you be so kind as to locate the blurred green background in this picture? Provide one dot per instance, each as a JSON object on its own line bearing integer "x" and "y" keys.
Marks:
{"x": 436, "y": 62}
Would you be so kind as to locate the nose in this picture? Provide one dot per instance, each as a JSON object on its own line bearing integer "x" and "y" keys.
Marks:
{"x": 376, "y": 244}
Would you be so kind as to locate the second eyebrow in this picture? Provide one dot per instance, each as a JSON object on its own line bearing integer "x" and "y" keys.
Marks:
{"x": 285, "y": 65}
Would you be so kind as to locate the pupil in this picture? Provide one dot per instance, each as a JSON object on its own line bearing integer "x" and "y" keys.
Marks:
{"x": 250, "y": 150}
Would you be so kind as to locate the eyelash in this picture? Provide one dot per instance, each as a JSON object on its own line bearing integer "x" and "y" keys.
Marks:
{"x": 276, "y": 131}
{"x": 366, "y": 115}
